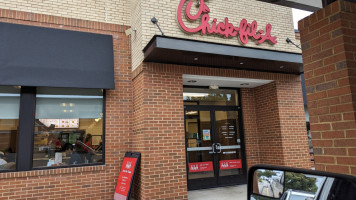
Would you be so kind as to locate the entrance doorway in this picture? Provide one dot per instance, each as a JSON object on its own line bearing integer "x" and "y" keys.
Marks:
{"x": 214, "y": 140}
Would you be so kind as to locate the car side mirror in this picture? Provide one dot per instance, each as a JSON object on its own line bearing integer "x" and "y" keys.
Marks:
{"x": 267, "y": 182}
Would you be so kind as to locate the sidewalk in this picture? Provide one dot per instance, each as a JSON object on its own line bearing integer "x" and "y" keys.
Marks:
{"x": 224, "y": 193}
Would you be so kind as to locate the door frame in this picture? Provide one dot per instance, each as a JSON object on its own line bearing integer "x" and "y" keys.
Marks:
{"x": 191, "y": 184}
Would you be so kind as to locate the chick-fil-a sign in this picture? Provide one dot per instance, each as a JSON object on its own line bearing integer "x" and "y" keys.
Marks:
{"x": 244, "y": 30}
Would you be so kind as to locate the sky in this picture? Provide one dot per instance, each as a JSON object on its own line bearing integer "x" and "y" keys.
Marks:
{"x": 298, "y": 15}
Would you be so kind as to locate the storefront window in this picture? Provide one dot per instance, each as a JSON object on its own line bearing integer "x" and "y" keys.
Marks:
{"x": 68, "y": 127}
{"x": 9, "y": 120}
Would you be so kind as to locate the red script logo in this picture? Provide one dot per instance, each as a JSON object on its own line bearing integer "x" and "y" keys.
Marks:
{"x": 244, "y": 30}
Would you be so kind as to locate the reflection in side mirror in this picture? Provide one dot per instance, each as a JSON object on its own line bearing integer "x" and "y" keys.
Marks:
{"x": 269, "y": 183}
{"x": 283, "y": 183}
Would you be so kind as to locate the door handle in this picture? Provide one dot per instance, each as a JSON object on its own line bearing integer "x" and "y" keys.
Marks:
{"x": 219, "y": 145}
{"x": 213, "y": 147}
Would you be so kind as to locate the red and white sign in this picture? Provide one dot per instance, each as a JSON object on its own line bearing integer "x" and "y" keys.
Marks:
{"x": 125, "y": 177}
{"x": 230, "y": 164}
{"x": 244, "y": 30}
{"x": 200, "y": 167}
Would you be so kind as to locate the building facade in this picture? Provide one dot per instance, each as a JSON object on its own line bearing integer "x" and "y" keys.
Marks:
{"x": 213, "y": 92}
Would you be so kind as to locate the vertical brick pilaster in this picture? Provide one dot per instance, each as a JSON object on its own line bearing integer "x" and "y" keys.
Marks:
{"x": 251, "y": 132}
{"x": 293, "y": 124}
{"x": 280, "y": 121}
{"x": 268, "y": 124}
{"x": 159, "y": 135}
{"x": 329, "y": 56}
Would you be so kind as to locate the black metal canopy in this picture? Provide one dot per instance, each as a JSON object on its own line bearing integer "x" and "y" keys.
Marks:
{"x": 197, "y": 53}
{"x": 36, "y": 56}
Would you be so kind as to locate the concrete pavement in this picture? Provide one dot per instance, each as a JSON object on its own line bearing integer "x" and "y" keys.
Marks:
{"x": 223, "y": 193}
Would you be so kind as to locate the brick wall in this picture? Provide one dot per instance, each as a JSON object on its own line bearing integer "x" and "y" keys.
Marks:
{"x": 268, "y": 124}
{"x": 166, "y": 12}
{"x": 329, "y": 56}
{"x": 292, "y": 124}
{"x": 95, "y": 182}
{"x": 252, "y": 145}
{"x": 278, "y": 129}
{"x": 109, "y": 11}
{"x": 159, "y": 135}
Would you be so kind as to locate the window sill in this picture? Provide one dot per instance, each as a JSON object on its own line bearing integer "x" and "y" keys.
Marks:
{"x": 52, "y": 171}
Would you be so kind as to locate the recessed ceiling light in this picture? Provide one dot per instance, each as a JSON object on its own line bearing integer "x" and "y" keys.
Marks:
{"x": 192, "y": 81}
{"x": 244, "y": 84}
{"x": 281, "y": 67}
{"x": 195, "y": 58}
{"x": 241, "y": 63}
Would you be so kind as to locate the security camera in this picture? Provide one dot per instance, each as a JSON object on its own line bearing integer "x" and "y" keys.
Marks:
{"x": 129, "y": 31}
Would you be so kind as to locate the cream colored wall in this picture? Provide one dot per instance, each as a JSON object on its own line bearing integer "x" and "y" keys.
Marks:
{"x": 136, "y": 36}
{"x": 110, "y": 11}
{"x": 166, "y": 11}
{"x": 138, "y": 14}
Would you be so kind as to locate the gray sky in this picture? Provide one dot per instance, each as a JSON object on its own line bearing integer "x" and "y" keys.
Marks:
{"x": 298, "y": 15}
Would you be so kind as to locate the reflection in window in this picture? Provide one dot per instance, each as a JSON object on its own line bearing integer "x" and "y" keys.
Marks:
{"x": 9, "y": 120}
{"x": 200, "y": 96}
{"x": 68, "y": 127}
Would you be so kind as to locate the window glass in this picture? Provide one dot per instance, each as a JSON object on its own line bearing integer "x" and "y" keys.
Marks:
{"x": 9, "y": 120}
{"x": 201, "y": 96}
{"x": 68, "y": 127}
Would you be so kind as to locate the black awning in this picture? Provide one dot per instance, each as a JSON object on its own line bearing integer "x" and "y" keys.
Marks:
{"x": 36, "y": 56}
{"x": 197, "y": 53}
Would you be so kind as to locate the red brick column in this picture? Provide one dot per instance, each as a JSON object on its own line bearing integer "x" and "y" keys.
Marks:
{"x": 159, "y": 135}
{"x": 251, "y": 132}
{"x": 281, "y": 125}
{"x": 329, "y": 54}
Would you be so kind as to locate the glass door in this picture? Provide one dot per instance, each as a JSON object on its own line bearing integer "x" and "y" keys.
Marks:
{"x": 215, "y": 148}
{"x": 228, "y": 148}
{"x": 200, "y": 156}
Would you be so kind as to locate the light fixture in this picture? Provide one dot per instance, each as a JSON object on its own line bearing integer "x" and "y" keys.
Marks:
{"x": 129, "y": 31}
{"x": 155, "y": 21}
{"x": 281, "y": 67}
{"x": 192, "y": 81}
{"x": 97, "y": 119}
{"x": 290, "y": 41}
{"x": 195, "y": 59}
{"x": 191, "y": 112}
{"x": 214, "y": 87}
{"x": 70, "y": 110}
{"x": 65, "y": 111}
{"x": 71, "y": 104}
{"x": 241, "y": 63}
{"x": 64, "y": 104}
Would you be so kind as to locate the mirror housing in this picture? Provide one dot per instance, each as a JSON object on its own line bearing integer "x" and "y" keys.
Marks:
{"x": 268, "y": 182}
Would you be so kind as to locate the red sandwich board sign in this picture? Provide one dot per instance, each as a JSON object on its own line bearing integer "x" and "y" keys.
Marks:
{"x": 126, "y": 176}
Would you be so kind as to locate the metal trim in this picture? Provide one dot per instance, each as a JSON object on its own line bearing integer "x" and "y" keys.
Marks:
{"x": 199, "y": 148}
{"x": 231, "y": 147}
